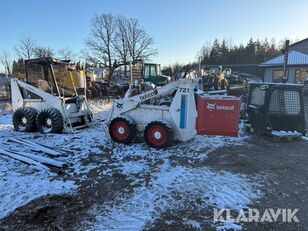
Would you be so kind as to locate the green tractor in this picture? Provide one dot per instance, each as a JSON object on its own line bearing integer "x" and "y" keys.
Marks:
{"x": 138, "y": 72}
{"x": 152, "y": 73}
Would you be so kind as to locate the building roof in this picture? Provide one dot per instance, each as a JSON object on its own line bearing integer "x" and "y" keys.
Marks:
{"x": 294, "y": 58}
{"x": 298, "y": 42}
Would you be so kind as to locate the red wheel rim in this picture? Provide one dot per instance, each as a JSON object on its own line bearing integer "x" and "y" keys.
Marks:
{"x": 120, "y": 130}
{"x": 157, "y": 135}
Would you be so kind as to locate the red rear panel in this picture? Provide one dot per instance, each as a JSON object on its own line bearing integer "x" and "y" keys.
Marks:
{"x": 218, "y": 116}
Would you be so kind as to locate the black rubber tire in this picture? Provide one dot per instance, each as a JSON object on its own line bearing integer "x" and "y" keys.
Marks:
{"x": 104, "y": 91}
{"x": 88, "y": 94}
{"x": 117, "y": 90}
{"x": 30, "y": 116}
{"x": 55, "y": 117}
{"x": 130, "y": 129}
{"x": 151, "y": 141}
{"x": 94, "y": 93}
{"x": 97, "y": 88}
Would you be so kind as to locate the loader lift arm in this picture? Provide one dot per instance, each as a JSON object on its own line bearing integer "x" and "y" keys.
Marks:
{"x": 134, "y": 101}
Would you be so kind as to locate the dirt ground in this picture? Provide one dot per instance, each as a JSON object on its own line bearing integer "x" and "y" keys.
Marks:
{"x": 281, "y": 165}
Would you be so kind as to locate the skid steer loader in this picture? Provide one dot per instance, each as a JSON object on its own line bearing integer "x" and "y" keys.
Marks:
{"x": 41, "y": 103}
{"x": 161, "y": 115}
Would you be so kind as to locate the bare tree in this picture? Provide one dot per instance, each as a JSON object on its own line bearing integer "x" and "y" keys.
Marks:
{"x": 118, "y": 38}
{"x": 66, "y": 53}
{"x": 119, "y": 42}
{"x": 139, "y": 42}
{"x": 26, "y": 47}
{"x": 6, "y": 62}
{"x": 100, "y": 39}
{"x": 88, "y": 57}
{"x": 43, "y": 52}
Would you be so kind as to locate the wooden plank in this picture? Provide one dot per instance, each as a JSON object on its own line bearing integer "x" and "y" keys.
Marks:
{"x": 50, "y": 147}
{"x": 35, "y": 146}
{"x": 36, "y": 165}
{"x": 41, "y": 159}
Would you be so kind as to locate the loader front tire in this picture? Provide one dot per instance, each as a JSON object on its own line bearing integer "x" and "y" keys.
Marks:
{"x": 50, "y": 120}
{"x": 122, "y": 130}
{"x": 158, "y": 134}
{"x": 24, "y": 119}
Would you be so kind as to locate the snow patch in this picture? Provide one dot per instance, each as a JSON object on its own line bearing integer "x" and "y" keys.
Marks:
{"x": 176, "y": 188}
{"x": 20, "y": 184}
{"x": 286, "y": 133}
{"x": 305, "y": 137}
{"x": 133, "y": 167}
{"x": 228, "y": 226}
{"x": 17, "y": 188}
{"x": 192, "y": 223}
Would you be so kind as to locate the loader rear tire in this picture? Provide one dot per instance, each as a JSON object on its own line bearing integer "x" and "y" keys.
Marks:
{"x": 93, "y": 92}
{"x": 122, "y": 130}
{"x": 158, "y": 134}
{"x": 24, "y": 119}
{"x": 50, "y": 120}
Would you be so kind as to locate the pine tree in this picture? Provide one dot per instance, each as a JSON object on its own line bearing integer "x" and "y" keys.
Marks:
{"x": 250, "y": 51}
{"x": 15, "y": 68}
{"x": 215, "y": 52}
{"x": 224, "y": 52}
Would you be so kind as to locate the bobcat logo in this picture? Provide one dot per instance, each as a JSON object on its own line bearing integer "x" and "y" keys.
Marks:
{"x": 210, "y": 106}
{"x": 120, "y": 105}
{"x": 149, "y": 95}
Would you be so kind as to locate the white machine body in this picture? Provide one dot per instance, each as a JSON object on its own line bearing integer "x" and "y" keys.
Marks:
{"x": 76, "y": 111}
{"x": 180, "y": 114}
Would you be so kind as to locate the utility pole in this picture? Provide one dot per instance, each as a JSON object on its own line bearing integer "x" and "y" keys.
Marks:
{"x": 285, "y": 63}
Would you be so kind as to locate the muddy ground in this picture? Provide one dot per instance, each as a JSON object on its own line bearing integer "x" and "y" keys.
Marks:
{"x": 285, "y": 185}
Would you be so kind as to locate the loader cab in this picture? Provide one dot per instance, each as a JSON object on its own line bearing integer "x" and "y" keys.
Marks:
{"x": 41, "y": 73}
{"x": 275, "y": 107}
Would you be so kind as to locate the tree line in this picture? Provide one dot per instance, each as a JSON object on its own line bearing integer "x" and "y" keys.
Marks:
{"x": 224, "y": 53}
{"x": 253, "y": 52}
{"x": 113, "y": 41}
{"x": 28, "y": 48}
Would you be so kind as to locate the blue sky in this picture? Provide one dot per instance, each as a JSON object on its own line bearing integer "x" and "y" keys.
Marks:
{"x": 179, "y": 27}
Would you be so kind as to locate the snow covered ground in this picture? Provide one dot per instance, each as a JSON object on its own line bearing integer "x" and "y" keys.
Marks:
{"x": 176, "y": 188}
{"x": 162, "y": 181}
{"x": 21, "y": 183}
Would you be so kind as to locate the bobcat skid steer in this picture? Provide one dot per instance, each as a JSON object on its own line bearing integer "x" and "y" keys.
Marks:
{"x": 159, "y": 115}
{"x": 42, "y": 103}
{"x": 174, "y": 112}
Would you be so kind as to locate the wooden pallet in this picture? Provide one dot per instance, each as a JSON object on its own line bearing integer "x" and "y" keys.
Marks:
{"x": 274, "y": 137}
{"x": 287, "y": 138}
{"x": 247, "y": 128}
